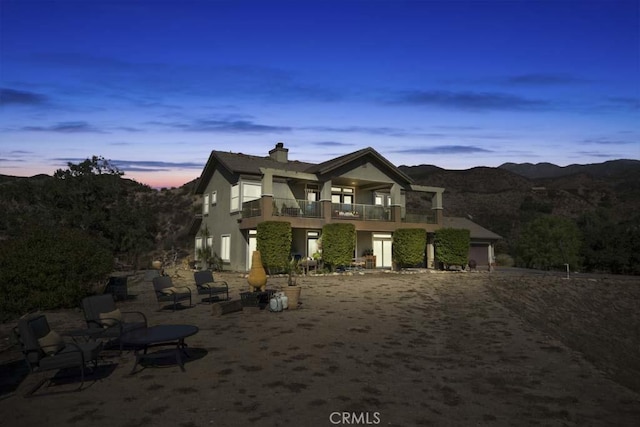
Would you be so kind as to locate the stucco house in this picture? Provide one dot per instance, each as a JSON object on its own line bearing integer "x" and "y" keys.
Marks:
{"x": 239, "y": 191}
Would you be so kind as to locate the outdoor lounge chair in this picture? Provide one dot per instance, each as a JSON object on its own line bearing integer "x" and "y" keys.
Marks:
{"x": 208, "y": 286}
{"x": 44, "y": 349}
{"x": 166, "y": 292}
{"x": 101, "y": 315}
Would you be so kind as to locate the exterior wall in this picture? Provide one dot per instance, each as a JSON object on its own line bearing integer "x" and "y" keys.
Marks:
{"x": 366, "y": 171}
{"x": 220, "y": 221}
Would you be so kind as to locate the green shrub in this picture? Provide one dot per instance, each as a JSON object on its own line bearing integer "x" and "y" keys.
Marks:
{"x": 408, "y": 246}
{"x": 504, "y": 260}
{"x": 274, "y": 243}
{"x": 549, "y": 242}
{"x": 50, "y": 268}
{"x": 452, "y": 246}
{"x": 338, "y": 244}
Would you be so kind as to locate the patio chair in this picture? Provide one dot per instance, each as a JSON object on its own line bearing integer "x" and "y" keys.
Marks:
{"x": 101, "y": 314}
{"x": 166, "y": 292}
{"x": 44, "y": 349}
{"x": 206, "y": 285}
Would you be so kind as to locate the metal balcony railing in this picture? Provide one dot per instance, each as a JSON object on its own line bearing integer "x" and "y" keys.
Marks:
{"x": 296, "y": 208}
{"x": 252, "y": 208}
{"x": 420, "y": 217}
{"x": 360, "y": 212}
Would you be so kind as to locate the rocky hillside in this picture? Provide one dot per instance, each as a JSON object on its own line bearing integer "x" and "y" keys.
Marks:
{"x": 501, "y": 199}
{"x": 504, "y": 198}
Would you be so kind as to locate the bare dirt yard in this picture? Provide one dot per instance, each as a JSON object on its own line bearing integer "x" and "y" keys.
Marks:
{"x": 430, "y": 348}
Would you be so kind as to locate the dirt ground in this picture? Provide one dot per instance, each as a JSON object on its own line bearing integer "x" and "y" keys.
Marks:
{"x": 428, "y": 348}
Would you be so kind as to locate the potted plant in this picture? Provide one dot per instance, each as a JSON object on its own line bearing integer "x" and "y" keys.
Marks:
{"x": 292, "y": 290}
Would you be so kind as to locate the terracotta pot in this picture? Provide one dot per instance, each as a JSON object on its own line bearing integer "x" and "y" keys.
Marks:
{"x": 257, "y": 276}
{"x": 293, "y": 295}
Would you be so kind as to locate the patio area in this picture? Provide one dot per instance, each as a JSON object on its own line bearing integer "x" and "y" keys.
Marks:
{"x": 428, "y": 348}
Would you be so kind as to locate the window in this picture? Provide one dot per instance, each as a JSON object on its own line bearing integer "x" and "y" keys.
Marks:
{"x": 235, "y": 197}
{"x": 382, "y": 199}
{"x": 342, "y": 195}
{"x": 198, "y": 245}
{"x": 209, "y": 242}
{"x": 214, "y": 197}
{"x": 225, "y": 247}
{"x": 250, "y": 191}
{"x": 313, "y": 192}
{"x": 205, "y": 205}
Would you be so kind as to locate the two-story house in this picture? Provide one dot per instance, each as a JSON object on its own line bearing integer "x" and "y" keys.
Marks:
{"x": 239, "y": 191}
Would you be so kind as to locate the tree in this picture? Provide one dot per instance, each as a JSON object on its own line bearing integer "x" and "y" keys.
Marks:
{"x": 274, "y": 243}
{"x": 608, "y": 246}
{"x": 338, "y": 244}
{"x": 48, "y": 268}
{"x": 92, "y": 196}
{"x": 548, "y": 242}
{"x": 452, "y": 246}
{"x": 408, "y": 246}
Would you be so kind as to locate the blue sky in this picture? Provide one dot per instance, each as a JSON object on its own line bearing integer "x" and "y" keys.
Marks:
{"x": 156, "y": 85}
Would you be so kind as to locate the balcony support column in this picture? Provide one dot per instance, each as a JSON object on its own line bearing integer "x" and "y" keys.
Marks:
{"x": 431, "y": 254}
{"x": 436, "y": 205}
{"x": 267, "y": 206}
{"x": 396, "y": 213}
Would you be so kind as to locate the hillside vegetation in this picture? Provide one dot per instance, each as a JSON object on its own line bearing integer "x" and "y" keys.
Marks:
{"x": 603, "y": 199}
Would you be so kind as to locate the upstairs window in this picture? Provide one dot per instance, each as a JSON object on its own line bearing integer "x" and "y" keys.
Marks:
{"x": 244, "y": 192}
{"x": 205, "y": 204}
{"x": 235, "y": 197}
{"x": 342, "y": 195}
{"x": 382, "y": 199}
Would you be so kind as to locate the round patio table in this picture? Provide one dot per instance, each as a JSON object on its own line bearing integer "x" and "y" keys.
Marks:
{"x": 160, "y": 335}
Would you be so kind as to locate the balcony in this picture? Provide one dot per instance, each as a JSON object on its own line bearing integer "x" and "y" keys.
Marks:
{"x": 296, "y": 208}
{"x": 252, "y": 208}
{"x": 325, "y": 212}
{"x": 420, "y": 217}
{"x": 360, "y": 212}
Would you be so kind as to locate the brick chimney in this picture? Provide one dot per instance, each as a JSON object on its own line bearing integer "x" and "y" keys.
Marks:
{"x": 279, "y": 153}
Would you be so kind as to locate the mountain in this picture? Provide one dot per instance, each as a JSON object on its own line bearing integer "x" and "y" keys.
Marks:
{"x": 503, "y": 199}
{"x": 610, "y": 169}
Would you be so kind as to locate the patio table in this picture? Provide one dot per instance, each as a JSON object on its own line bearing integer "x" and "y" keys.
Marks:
{"x": 160, "y": 335}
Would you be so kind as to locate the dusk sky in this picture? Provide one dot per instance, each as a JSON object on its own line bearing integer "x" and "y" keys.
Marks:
{"x": 156, "y": 85}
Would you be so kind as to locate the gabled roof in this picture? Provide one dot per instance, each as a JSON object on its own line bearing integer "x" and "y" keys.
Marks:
{"x": 333, "y": 164}
{"x": 238, "y": 163}
{"x": 476, "y": 231}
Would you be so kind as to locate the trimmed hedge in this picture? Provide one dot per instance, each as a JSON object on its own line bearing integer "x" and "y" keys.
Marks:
{"x": 338, "y": 244}
{"x": 452, "y": 246}
{"x": 274, "y": 243}
{"x": 49, "y": 269}
{"x": 409, "y": 246}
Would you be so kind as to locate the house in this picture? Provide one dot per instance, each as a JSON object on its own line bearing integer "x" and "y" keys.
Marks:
{"x": 363, "y": 188}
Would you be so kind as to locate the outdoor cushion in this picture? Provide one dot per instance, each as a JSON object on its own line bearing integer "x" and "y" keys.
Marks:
{"x": 51, "y": 343}
{"x": 111, "y": 318}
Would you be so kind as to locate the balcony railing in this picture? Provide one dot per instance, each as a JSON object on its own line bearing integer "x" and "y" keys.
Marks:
{"x": 252, "y": 208}
{"x": 360, "y": 212}
{"x": 296, "y": 208}
{"x": 341, "y": 211}
{"x": 420, "y": 217}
